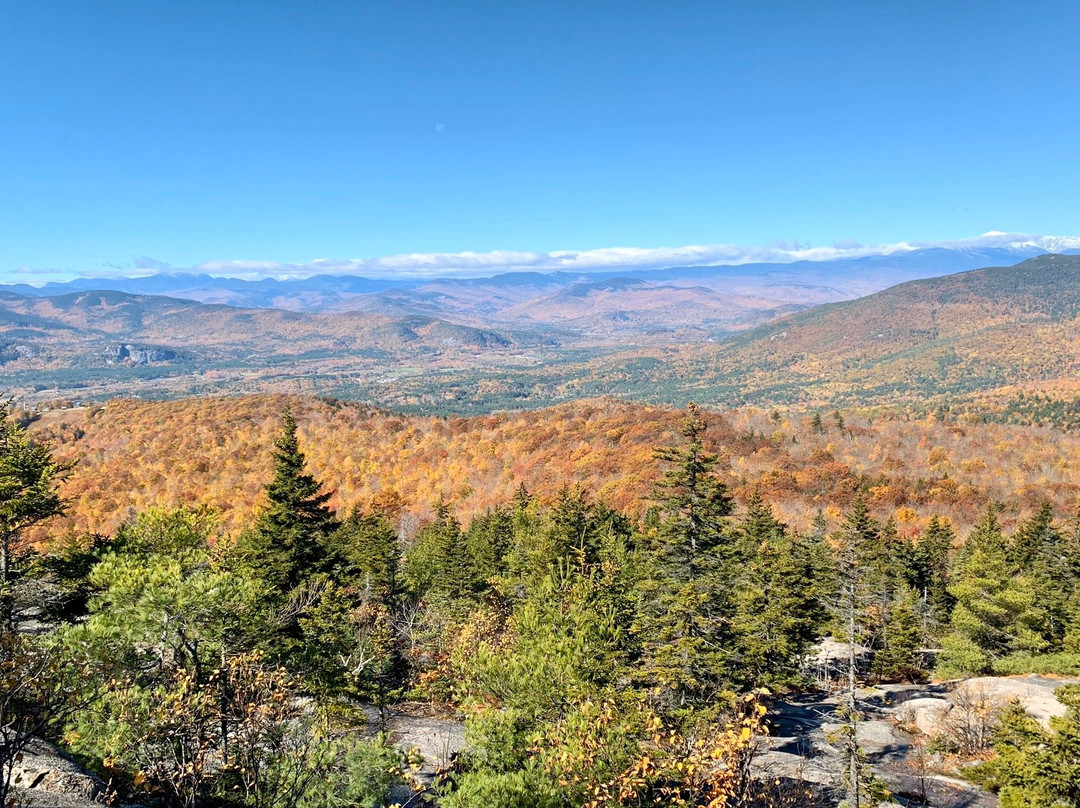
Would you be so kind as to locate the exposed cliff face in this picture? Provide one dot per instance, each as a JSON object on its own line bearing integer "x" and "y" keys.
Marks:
{"x": 14, "y": 351}
{"x": 137, "y": 355}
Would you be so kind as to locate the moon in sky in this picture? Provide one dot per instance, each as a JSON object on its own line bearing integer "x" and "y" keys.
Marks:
{"x": 439, "y": 127}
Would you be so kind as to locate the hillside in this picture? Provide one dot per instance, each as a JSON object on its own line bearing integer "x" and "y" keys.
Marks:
{"x": 994, "y": 330}
{"x": 620, "y": 307}
{"x": 217, "y": 451}
{"x": 99, "y": 344}
{"x": 973, "y": 332}
{"x": 64, "y": 324}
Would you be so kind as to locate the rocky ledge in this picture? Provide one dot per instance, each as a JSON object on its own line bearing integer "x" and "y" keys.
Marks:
{"x": 902, "y": 727}
{"x": 44, "y": 777}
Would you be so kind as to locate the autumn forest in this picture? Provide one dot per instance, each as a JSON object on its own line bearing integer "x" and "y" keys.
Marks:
{"x": 230, "y": 601}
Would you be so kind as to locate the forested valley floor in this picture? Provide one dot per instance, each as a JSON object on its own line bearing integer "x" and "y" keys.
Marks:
{"x": 219, "y": 602}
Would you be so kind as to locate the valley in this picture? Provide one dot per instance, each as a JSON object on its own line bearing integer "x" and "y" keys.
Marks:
{"x": 455, "y": 347}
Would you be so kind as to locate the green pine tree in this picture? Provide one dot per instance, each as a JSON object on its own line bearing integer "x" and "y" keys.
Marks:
{"x": 687, "y": 606}
{"x": 368, "y": 555}
{"x": 862, "y": 575}
{"x": 1031, "y": 536}
{"x": 28, "y": 496}
{"x": 287, "y": 542}
{"x": 995, "y": 609}
{"x": 861, "y": 560}
{"x": 437, "y": 565}
{"x": 487, "y": 543}
{"x": 778, "y": 605}
{"x": 928, "y": 575}
{"x": 1045, "y": 556}
{"x": 901, "y": 638}
{"x": 349, "y": 644}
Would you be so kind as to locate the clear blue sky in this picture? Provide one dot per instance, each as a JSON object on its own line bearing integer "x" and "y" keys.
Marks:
{"x": 218, "y": 129}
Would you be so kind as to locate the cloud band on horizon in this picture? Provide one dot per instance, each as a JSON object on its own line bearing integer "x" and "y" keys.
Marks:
{"x": 476, "y": 264}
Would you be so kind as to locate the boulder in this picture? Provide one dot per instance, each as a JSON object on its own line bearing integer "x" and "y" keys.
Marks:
{"x": 42, "y": 769}
{"x": 436, "y": 740}
{"x": 878, "y": 737}
{"x": 831, "y": 650}
{"x": 924, "y": 714}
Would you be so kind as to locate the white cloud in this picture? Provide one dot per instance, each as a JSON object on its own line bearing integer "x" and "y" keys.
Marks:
{"x": 475, "y": 264}
{"x": 471, "y": 264}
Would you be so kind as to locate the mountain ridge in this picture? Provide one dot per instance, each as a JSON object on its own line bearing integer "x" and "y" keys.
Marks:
{"x": 263, "y": 292}
{"x": 989, "y": 331}
{"x": 995, "y": 330}
{"x": 90, "y": 318}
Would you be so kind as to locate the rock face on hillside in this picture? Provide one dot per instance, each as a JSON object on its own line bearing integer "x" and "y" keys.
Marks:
{"x": 136, "y": 355}
{"x": 806, "y": 745}
{"x": 938, "y": 715}
{"x": 46, "y": 777}
{"x": 435, "y": 741}
{"x": 899, "y": 723}
{"x": 14, "y": 351}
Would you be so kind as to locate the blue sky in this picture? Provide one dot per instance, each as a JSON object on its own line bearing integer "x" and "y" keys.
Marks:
{"x": 259, "y": 131}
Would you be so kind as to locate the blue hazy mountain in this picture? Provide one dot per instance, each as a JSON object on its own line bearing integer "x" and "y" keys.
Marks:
{"x": 328, "y": 291}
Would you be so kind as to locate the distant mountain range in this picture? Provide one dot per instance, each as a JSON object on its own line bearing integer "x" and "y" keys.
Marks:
{"x": 615, "y": 307}
{"x": 719, "y": 335}
{"x": 995, "y": 330}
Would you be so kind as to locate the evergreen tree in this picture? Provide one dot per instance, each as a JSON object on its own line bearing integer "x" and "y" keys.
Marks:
{"x": 1043, "y": 555}
{"x": 287, "y": 543}
{"x": 350, "y": 646}
{"x": 901, "y": 637}
{"x": 1071, "y": 640}
{"x": 1031, "y": 537}
{"x": 437, "y": 565}
{"x": 928, "y": 576}
{"x": 28, "y": 496}
{"x": 858, "y": 544}
{"x": 1069, "y": 562}
{"x": 885, "y": 561}
{"x": 487, "y": 543}
{"x": 687, "y": 606}
{"x": 995, "y": 609}
{"x": 368, "y": 556}
{"x": 758, "y": 528}
{"x": 572, "y": 532}
{"x": 695, "y": 503}
{"x": 861, "y": 574}
{"x": 778, "y": 609}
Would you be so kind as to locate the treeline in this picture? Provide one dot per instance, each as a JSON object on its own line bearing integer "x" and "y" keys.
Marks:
{"x": 599, "y": 659}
